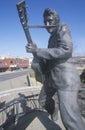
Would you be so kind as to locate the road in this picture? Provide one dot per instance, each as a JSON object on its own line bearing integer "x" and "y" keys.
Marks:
{"x": 8, "y": 76}
{"x": 16, "y": 79}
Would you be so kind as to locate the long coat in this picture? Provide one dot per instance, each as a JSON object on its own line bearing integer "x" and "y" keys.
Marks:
{"x": 61, "y": 78}
{"x": 55, "y": 61}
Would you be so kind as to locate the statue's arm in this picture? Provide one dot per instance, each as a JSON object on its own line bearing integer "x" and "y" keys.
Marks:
{"x": 64, "y": 49}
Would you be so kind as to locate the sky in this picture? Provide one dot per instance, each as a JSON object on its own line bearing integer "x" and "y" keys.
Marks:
{"x": 12, "y": 37}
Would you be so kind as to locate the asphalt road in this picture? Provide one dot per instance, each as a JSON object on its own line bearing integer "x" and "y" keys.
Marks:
{"x": 14, "y": 80}
{"x": 11, "y": 75}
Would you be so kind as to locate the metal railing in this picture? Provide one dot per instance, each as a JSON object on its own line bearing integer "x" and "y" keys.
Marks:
{"x": 17, "y": 108}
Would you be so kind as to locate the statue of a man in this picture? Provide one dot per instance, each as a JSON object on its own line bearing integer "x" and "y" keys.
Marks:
{"x": 60, "y": 75}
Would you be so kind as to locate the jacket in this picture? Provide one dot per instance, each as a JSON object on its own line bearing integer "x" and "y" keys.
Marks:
{"x": 55, "y": 61}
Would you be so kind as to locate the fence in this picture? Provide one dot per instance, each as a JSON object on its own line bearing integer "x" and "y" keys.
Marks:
{"x": 17, "y": 108}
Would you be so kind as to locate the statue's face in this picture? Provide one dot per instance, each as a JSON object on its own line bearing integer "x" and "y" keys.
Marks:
{"x": 50, "y": 20}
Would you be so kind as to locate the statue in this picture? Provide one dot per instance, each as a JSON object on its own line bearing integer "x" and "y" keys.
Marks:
{"x": 60, "y": 76}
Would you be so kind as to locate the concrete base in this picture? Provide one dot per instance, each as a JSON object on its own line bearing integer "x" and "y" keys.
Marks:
{"x": 37, "y": 121}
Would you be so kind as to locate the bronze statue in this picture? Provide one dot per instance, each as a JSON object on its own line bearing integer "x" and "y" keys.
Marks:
{"x": 61, "y": 77}
{"x": 54, "y": 63}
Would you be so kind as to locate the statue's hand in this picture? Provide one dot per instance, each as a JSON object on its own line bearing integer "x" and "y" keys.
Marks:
{"x": 31, "y": 48}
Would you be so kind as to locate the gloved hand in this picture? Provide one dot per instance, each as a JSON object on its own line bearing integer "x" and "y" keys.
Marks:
{"x": 31, "y": 48}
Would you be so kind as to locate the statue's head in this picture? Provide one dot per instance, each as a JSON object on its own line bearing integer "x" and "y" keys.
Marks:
{"x": 51, "y": 17}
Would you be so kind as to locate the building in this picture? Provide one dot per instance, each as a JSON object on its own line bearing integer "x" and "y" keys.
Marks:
{"x": 13, "y": 63}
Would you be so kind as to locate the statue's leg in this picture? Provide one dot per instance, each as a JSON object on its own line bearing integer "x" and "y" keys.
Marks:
{"x": 48, "y": 102}
{"x": 42, "y": 97}
{"x": 69, "y": 110}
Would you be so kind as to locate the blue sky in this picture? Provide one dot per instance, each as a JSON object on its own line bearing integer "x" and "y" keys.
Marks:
{"x": 12, "y": 37}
